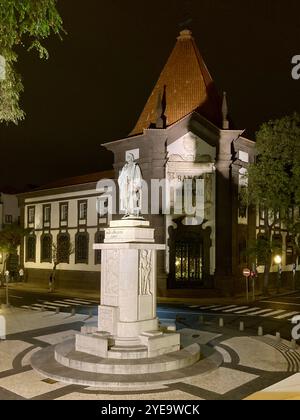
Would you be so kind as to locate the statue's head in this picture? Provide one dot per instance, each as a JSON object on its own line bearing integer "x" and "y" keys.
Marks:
{"x": 130, "y": 158}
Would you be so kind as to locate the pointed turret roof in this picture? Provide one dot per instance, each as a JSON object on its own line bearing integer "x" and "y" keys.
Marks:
{"x": 188, "y": 87}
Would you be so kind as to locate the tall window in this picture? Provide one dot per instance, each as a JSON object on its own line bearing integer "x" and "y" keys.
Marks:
{"x": 31, "y": 248}
{"x": 63, "y": 248}
{"x": 99, "y": 239}
{"x": 31, "y": 215}
{"x": 189, "y": 261}
{"x": 47, "y": 214}
{"x": 290, "y": 250}
{"x": 64, "y": 212}
{"x": 46, "y": 248}
{"x": 82, "y": 248}
{"x": 8, "y": 219}
{"x": 82, "y": 209}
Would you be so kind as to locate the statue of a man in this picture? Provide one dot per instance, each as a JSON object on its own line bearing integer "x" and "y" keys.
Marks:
{"x": 130, "y": 184}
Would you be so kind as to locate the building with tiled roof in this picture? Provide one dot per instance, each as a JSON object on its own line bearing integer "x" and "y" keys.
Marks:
{"x": 182, "y": 133}
{"x": 185, "y": 85}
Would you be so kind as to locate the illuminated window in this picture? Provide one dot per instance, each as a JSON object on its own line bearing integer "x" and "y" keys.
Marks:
{"x": 189, "y": 261}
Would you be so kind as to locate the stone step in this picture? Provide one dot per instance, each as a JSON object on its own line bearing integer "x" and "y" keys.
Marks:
{"x": 45, "y": 364}
{"x": 66, "y": 355}
{"x": 131, "y": 352}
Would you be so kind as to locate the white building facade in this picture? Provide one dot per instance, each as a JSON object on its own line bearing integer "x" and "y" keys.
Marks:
{"x": 64, "y": 218}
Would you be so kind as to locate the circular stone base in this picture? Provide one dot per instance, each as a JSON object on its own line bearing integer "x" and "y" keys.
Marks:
{"x": 44, "y": 362}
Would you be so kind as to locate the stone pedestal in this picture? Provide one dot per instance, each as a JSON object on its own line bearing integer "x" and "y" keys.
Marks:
{"x": 126, "y": 350}
{"x": 127, "y": 315}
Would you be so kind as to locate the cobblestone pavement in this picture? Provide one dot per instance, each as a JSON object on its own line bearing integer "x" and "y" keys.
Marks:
{"x": 253, "y": 367}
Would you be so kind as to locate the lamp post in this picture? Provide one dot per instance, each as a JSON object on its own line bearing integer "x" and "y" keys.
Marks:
{"x": 278, "y": 261}
{"x": 7, "y": 280}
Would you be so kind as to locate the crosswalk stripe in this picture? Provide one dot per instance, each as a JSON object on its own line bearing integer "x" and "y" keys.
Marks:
{"x": 37, "y": 306}
{"x": 247, "y": 311}
{"x": 236, "y": 309}
{"x": 274, "y": 313}
{"x": 209, "y": 307}
{"x": 71, "y": 303}
{"x": 287, "y": 315}
{"x": 225, "y": 307}
{"x": 82, "y": 302}
{"x": 193, "y": 307}
{"x": 57, "y": 304}
{"x": 263, "y": 311}
{"x": 87, "y": 300}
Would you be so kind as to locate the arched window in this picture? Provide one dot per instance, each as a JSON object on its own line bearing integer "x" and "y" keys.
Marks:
{"x": 63, "y": 248}
{"x": 31, "y": 248}
{"x": 99, "y": 239}
{"x": 82, "y": 248}
{"x": 189, "y": 261}
{"x": 46, "y": 248}
{"x": 290, "y": 250}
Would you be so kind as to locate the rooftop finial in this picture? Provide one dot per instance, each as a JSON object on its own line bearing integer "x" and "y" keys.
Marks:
{"x": 225, "y": 123}
{"x": 185, "y": 34}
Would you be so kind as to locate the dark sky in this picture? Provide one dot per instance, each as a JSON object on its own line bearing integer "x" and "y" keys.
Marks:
{"x": 98, "y": 79}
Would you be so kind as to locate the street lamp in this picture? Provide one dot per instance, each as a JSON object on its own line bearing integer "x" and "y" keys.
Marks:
{"x": 278, "y": 261}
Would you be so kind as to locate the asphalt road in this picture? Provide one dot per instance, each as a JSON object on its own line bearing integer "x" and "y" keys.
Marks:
{"x": 274, "y": 314}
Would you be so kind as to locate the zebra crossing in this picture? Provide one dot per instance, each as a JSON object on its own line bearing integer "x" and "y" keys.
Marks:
{"x": 61, "y": 304}
{"x": 278, "y": 314}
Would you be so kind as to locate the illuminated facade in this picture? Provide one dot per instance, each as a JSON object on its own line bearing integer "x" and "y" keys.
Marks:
{"x": 182, "y": 133}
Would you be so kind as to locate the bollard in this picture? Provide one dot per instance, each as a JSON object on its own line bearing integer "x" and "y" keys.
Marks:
{"x": 294, "y": 344}
{"x": 201, "y": 319}
{"x": 242, "y": 326}
{"x": 221, "y": 322}
{"x": 278, "y": 337}
{"x": 91, "y": 313}
{"x": 73, "y": 313}
{"x": 260, "y": 331}
{"x": 57, "y": 311}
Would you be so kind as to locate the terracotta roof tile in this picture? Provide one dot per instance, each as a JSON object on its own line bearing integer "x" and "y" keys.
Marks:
{"x": 78, "y": 180}
{"x": 189, "y": 87}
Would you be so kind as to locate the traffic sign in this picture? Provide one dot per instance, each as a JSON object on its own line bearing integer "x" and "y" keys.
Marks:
{"x": 246, "y": 272}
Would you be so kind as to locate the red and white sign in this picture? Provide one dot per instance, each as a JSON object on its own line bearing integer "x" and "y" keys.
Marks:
{"x": 246, "y": 272}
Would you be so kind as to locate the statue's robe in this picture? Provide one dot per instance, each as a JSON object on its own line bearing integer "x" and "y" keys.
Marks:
{"x": 130, "y": 183}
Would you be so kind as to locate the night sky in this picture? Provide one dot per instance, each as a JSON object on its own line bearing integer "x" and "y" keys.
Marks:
{"x": 96, "y": 82}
